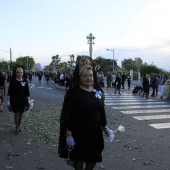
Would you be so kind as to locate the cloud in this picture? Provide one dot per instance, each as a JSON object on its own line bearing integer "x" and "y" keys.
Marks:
{"x": 148, "y": 37}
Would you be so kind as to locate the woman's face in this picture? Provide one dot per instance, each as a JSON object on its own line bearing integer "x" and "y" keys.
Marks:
{"x": 86, "y": 78}
{"x": 19, "y": 73}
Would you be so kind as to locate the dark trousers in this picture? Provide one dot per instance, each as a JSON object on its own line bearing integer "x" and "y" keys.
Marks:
{"x": 123, "y": 83}
{"x": 155, "y": 89}
{"x": 128, "y": 84}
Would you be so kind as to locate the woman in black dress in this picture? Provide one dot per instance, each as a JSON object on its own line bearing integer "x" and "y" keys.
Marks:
{"x": 83, "y": 118}
{"x": 18, "y": 96}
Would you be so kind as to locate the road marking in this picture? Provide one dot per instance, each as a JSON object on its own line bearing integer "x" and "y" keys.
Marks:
{"x": 118, "y": 100}
{"x": 49, "y": 88}
{"x": 160, "y": 125}
{"x": 138, "y": 107}
{"x": 151, "y": 117}
{"x": 40, "y": 87}
{"x": 140, "y": 103}
{"x": 117, "y": 94}
{"x": 145, "y": 111}
{"x": 130, "y": 101}
{"x": 123, "y": 98}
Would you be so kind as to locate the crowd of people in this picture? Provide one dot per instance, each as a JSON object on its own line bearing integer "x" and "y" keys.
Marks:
{"x": 156, "y": 83}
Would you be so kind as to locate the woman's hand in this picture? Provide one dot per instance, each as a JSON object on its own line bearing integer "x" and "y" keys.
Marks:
{"x": 70, "y": 141}
{"x": 109, "y": 133}
{"x": 8, "y": 103}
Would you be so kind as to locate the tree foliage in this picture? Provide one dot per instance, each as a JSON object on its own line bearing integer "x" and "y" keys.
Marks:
{"x": 129, "y": 64}
{"x": 25, "y": 61}
{"x": 150, "y": 69}
{"x": 105, "y": 64}
{"x": 55, "y": 60}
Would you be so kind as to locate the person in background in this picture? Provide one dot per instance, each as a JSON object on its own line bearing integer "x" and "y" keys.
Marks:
{"x": 83, "y": 118}
{"x": 162, "y": 85}
{"x": 30, "y": 76}
{"x": 47, "y": 77}
{"x": 123, "y": 80}
{"x": 167, "y": 88}
{"x": 146, "y": 86}
{"x": 100, "y": 78}
{"x": 2, "y": 82}
{"x": 40, "y": 76}
{"x": 153, "y": 85}
{"x": 67, "y": 80}
{"x": 113, "y": 80}
{"x": 118, "y": 83}
{"x": 18, "y": 96}
{"x": 157, "y": 85}
{"x": 129, "y": 81}
{"x": 62, "y": 78}
{"x": 1, "y": 100}
{"x": 109, "y": 79}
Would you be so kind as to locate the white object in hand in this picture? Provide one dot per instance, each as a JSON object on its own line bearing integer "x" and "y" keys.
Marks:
{"x": 119, "y": 129}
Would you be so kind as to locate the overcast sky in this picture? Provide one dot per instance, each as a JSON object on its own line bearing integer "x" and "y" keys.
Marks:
{"x": 43, "y": 28}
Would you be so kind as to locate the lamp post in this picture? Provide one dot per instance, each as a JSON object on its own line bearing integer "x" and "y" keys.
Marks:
{"x": 113, "y": 56}
{"x": 90, "y": 41}
{"x": 27, "y": 63}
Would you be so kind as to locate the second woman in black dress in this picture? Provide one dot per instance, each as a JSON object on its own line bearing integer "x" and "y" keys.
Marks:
{"x": 18, "y": 96}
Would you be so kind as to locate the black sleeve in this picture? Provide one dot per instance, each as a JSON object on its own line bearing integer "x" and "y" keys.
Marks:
{"x": 103, "y": 118}
{"x": 103, "y": 113}
{"x": 68, "y": 106}
{"x": 10, "y": 88}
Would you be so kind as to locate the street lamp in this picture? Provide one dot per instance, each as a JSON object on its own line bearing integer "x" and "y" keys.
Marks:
{"x": 113, "y": 56}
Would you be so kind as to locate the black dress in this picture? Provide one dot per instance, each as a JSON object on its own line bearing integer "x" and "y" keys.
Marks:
{"x": 84, "y": 115}
{"x": 18, "y": 92}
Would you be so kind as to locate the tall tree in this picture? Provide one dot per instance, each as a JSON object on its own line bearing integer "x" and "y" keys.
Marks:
{"x": 55, "y": 60}
{"x": 129, "y": 64}
{"x": 26, "y": 61}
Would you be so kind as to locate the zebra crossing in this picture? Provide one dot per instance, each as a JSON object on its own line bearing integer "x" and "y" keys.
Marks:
{"x": 141, "y": 108}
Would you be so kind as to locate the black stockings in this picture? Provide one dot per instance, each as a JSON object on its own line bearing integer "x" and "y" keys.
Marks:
{"x": 17, "y": 119}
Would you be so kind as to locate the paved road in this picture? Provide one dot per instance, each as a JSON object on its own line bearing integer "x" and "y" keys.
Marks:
{"x": 141, "y": 147}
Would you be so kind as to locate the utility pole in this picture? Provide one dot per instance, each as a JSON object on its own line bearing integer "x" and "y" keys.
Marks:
{"x": 27, "y": 63}
{"x": 113, "y": 57}
{"x": 90, "y": 41}
{"x": 10, "y": 59}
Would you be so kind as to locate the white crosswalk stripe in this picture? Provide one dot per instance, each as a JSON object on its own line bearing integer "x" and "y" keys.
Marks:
{"x": 148, "y": 109}
{"x": 138, "y": 107}
{"x": 134, "y": 103}
{"x": 128, "y": 100}
{"x": 145, "y": 111}
{"x": 152, "y": 117}
{"x": 160, "y": 125}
